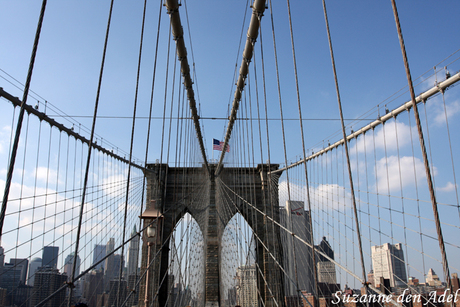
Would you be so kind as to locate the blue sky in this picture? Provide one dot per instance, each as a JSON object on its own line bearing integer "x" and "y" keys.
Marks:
{"x": 368, "y": 58}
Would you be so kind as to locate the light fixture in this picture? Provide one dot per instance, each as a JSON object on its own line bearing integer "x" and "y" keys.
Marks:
{"x": 149, "y": 216}
{"x": 151, "y": 230}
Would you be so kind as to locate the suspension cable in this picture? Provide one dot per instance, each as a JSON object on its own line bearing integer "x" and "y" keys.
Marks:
{"x": 345, "y": 143}
{"x": 77, "y": 242}
{"x": 429, "y": 179}
{"x": 20, "y": 119}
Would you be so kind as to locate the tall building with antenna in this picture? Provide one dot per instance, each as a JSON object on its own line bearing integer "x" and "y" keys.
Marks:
{"x": 133, "y": 253}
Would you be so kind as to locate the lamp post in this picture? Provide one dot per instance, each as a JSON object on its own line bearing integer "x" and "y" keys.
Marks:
{"x": 150, "y": 233}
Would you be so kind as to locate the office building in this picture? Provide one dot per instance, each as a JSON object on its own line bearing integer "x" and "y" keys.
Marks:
{"x": 109, "y": 263}
{"x": 23, "y": 264}
{"x": 117, "y": 292}
{"x": 93, "y": 286}
{"x": 47, "y": 281}
{"x": 432, "y": 279}
{"x": 68, "y": 265}
{"x": 133, "y": 253}
{"x": 246, "y": 290}
{"x": 13, "y": 279}
{"x": 325, "y": 267}
{"x": 11, "y": 276}
{"x": 33, "y": 267}
{"x": 98, "y": 254}
{"x": 133, "y": 289}
{"x": 2, "y": 257}
{"x": 20, "y": 296}
{"x": 50, "y": 256}
{"x": 299, "y": 266}
{"x": 388, "y": 262}
{"x": 113, "y": 264}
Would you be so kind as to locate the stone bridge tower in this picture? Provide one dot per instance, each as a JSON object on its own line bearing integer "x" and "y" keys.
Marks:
{"x": 172, "y": 191}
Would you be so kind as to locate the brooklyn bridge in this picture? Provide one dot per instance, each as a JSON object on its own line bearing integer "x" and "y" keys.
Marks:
{"x": 244, "y": 153}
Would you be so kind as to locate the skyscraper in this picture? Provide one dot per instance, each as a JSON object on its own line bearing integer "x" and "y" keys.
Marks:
{"x": 325, "y": 267}
{"x": 432, "y": 279}
{"x": 47, "y": 281}
{"x": 98, "y": 254}
{"x": 299, "y": 266}
{"x": 93, "y": 286}
{"x": 110, "y": 265}
{"x": 117, "y": 292}
{"x": 23, "y": 264}
{"x": 133, "y": 253}
{"x": 246, "y": 285}
{"x": 68, "y": 265}
{"x": 11, "y": 277}
{"x": 108, "y": 249}
{"x": 388, "y": 262}
{"x": 33, "y": 267}
{"x": 50, "y": 256}
{"x": 2, "y": 258}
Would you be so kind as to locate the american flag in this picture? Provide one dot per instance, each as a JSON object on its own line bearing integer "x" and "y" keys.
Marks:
{"x": 217, "y": 145}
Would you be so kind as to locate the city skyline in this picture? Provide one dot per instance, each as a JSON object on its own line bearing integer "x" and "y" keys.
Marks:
{"x": 384, "y": 207}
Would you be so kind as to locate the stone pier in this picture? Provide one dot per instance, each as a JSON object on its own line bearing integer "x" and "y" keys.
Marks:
{"x": 176, "y": 191}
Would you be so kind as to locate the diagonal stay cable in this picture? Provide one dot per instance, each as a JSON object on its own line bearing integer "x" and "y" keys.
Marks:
{"x": 429, "y": 177}
{"x": 106, "y": 256}
{"x": 131, "y": 145}
{"x": 77, "y": 243}
{"x": 249, "y": 249}
{"x": 20, "y": 118}
{"x": 269, "y": 252}
{"x": 306, "y": 243}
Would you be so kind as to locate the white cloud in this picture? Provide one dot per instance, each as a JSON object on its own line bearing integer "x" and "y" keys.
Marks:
{"x": 323, "y": 196}
{"x": 448, "y": 188}
{"x": 394, "y": 175}
{"x": 44, "y": 174}
{"x": 389, "y": 136}
{"x": 5, "y": 134}
{"x": 440, "y": 114}
{"x": 331, "y": 196}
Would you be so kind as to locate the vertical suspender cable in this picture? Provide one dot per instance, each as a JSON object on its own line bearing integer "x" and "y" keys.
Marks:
{"x": 423, "y": 148}
{"x": 315, "y": 273}
{"x": 20, "y": 119}
{"x": 90, "y": 145}
{"x": 150, "y": 118}
{"x": 258, "y": 9}
{"x": 131, "y": 149}
{"x": 289, "y": 218}
{"x": 450, "y": 149}
{"x": 345, "y": 143}
{"x": 173, "y": 11}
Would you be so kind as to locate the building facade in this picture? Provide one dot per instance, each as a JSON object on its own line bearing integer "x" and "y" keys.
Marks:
{"x": 133, "y": 253}
{"x": 325, "y": 267}
{"x": 50, "y": 256}
{"x": 68, "y": 265}
{"x": 297, "y": 256}
{"x": 98, "y": 254}
{"x": 47, "y": 281}
{"x": 33, "y": 267}
{"x": 93, "y": 286}
{"x": 388, "y": 262}
{"x": 246, "y": 290}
